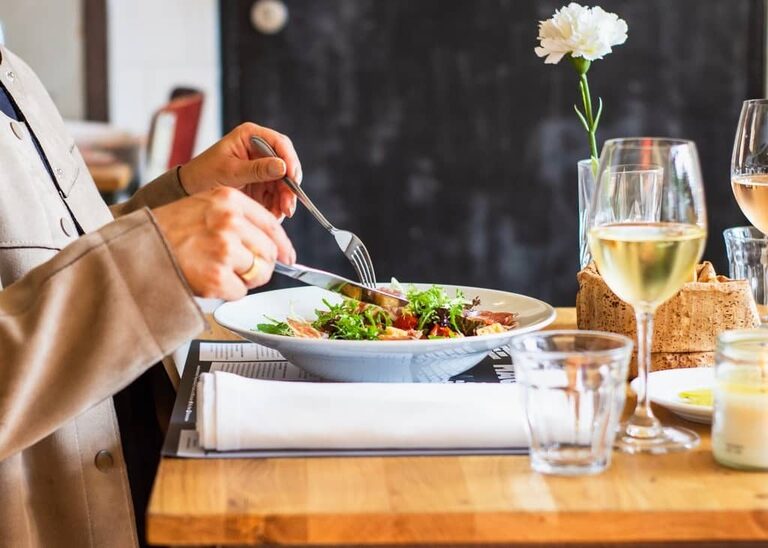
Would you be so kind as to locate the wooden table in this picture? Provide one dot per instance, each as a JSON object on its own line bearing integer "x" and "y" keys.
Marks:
{"x": 433, "y": 500}
{"x": 111, "y": 177}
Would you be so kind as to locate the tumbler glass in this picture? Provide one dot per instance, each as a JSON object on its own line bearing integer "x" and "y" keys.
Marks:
{"x": 747, "y": 250}
{"x": 575, "y": 386}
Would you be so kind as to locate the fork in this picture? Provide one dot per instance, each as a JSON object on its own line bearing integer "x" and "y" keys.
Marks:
{"x": 352, "y": 247}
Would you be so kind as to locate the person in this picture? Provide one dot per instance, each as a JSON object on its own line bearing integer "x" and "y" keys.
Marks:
{"x": 91, "y": 298}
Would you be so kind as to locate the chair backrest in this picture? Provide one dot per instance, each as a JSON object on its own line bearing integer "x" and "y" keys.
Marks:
{"x": 182, "y": 91}
{"x": 173, "y": 132}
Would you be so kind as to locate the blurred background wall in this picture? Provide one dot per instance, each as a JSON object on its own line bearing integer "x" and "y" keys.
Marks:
{"x": 48, "y": 35}
{"x": 156, "y": 45}
{"x": 429, "y": 127}
{"x": 151, "y": 47}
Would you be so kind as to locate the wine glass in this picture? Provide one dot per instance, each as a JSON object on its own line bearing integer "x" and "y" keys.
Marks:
{"x": 647, "y": 233}
{"x": 749, "y": 163}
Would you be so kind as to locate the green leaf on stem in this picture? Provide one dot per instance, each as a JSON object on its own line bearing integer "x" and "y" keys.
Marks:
{"x": 581, "y": 117}
{"x": 599, "y": 112}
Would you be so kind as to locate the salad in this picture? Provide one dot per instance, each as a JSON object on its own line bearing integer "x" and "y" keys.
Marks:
{"x": 429, "y": 314}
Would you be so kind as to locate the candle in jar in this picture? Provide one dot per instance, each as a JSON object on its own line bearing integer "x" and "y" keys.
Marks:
{"x": 740, "y": 424}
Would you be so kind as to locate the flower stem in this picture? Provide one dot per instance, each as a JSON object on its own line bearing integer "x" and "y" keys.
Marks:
{"x": 591, "y": 123}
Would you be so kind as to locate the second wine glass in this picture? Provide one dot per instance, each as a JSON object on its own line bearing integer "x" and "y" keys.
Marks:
{"x": 749, "y": 163}
{"x": 648, "y": 227}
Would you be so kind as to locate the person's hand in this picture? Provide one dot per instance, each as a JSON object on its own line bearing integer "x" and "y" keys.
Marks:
{"x": 233, "y": 162}
{"x": 224, "y": 242}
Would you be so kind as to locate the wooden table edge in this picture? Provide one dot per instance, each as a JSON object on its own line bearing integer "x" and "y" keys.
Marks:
{"x": 463, "y": 527}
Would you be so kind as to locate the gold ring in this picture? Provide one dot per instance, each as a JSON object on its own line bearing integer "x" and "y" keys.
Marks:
{"x": 251, "y": 273}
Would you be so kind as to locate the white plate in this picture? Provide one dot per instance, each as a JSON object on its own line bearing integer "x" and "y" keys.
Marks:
{"x": 664, "y": 389}
{"x": 377, "y": 361}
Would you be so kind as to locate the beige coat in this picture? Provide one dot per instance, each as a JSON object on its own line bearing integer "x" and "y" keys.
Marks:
{"x": 80, "y": 318}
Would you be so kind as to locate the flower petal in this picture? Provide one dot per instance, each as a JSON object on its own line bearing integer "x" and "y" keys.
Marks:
{"x": 580, "y": 31}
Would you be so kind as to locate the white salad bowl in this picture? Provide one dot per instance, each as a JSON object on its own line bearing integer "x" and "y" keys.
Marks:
{"x": 425, "y": 360}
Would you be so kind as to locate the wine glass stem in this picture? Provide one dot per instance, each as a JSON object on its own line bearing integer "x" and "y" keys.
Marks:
{"x": 643, "y": 424}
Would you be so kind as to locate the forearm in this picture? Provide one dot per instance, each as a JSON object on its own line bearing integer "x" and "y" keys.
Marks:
{"x": 86, "y": 323}
{"x": 165, "y": 189}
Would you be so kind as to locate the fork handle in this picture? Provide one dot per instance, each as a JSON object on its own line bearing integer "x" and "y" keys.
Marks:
{"x": 266, "y": 150}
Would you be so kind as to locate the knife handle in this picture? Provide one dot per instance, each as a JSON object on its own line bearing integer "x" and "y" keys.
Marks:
{"x": 286, "y": 270}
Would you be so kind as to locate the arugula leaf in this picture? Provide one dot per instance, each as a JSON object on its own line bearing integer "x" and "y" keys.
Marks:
{"x": 433, "y": 305}
{"x": 349, "y": 320}
{"x": 275, "y": 327}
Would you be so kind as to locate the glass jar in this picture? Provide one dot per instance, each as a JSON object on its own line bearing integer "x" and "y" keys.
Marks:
{"x": 740, "y": 421}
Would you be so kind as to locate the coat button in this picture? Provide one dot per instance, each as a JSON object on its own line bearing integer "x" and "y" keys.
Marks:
{"x": 104, "y": 461}
{"x": 66, "y": 226}
{"x": 17, "y": 129}
{"x": 11, "y": 75}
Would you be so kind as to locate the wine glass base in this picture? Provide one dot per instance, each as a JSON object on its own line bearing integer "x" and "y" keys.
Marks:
{"x": 671, "y": 439}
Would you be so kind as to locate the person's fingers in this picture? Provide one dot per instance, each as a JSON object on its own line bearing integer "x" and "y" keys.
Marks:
{"x": 251, "y": 256}
{"x": 287, "y": 201}
{"x": 238, "y": 254}
{"x": 262, "y": 170}
{"x": 258, "y": 243}
{"x": 282, "y": 146}
{"x": 259, "y": 273}
{"x": 230, "y": 208}
{"x": 266, "y": 221}
{"x": 270, "y": 200}
{"x": 231, "y": 286}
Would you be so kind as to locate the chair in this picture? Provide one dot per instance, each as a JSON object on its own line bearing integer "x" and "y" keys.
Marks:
{"x": 173, "y": 132}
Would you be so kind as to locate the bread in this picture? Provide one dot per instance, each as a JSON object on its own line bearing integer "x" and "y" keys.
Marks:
{"x": 685, "y": 327}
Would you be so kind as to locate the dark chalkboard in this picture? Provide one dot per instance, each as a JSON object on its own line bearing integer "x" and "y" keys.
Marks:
{"x": 431, "y": 129}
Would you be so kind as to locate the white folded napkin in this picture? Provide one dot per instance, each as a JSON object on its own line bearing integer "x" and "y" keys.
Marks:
{"x": 235, "y": 412}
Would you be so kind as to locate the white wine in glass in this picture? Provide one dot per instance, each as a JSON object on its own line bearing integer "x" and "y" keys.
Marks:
{"x": 646, "y": 264}
{"x": 646, "y": 259}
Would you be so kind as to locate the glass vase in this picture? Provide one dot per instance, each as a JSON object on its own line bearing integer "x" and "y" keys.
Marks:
{"x": 586, "y": 190}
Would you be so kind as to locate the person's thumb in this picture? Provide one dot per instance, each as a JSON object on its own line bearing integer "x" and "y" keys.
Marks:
{"x": 259, "y": 171}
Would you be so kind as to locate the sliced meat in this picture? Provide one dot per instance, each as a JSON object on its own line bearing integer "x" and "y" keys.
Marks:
{"x": 487, "y": 317}
{"x": 305, "y": 330}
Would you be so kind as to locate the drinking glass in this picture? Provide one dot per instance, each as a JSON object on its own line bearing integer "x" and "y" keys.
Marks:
{"x": 646, "y": 259}
{"x": 747, "y": 250}
{"x": 749, "y": 163}
{"x": 575, "y": 386}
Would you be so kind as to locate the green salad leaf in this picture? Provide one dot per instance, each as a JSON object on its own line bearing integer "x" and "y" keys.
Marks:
{"x": 433, "y": 305}
{"x": 432, "y": 311}
{"x": 275, "y": 327}
{"x": 351, "y": 321}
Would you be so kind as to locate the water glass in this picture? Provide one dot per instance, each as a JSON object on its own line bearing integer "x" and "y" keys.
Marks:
{"x": 575, "y": 386}
{"x": 747, "y": 250}
{"x": 636, "y": 191}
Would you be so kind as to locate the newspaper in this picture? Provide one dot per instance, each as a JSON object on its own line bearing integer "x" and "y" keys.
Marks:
{"x": 255, "y": 361}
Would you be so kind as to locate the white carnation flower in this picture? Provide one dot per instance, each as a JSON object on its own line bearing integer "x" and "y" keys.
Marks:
{"x": 581, "y": 32}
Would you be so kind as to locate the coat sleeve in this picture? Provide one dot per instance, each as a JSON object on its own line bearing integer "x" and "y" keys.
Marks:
{"x": 163, "y": 190}
{"x": 83, "y": 325}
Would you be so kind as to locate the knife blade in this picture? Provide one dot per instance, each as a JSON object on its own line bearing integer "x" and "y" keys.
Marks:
{"x": 338, "y": 284}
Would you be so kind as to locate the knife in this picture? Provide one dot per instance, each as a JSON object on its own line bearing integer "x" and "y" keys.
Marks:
{"x": 337, "y": 284}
